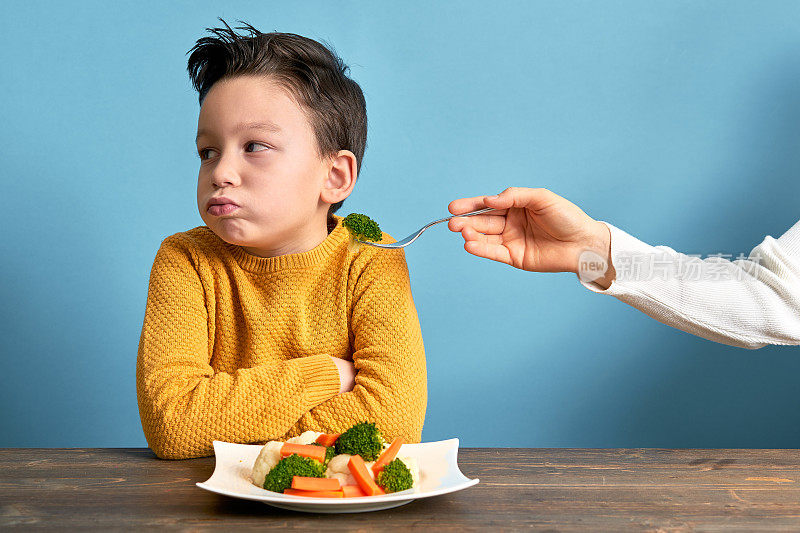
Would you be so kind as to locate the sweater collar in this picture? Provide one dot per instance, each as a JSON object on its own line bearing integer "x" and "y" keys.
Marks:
{"x": 253, "y": 263}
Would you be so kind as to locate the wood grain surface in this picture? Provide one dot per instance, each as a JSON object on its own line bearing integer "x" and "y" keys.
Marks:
{"x": 520, "y": 489}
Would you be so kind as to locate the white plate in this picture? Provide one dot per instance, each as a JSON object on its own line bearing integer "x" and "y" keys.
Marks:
{"x": 438, "y": 467}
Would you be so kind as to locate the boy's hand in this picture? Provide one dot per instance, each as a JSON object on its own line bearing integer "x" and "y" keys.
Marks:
{"x": 534, "y": 230}
{"x": 347, "y": 374}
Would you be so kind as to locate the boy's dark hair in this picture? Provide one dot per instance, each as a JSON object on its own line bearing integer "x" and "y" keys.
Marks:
{"x": 314, "y": 74}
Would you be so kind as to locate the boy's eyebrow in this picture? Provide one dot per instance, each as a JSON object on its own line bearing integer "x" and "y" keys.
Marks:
{"x": 268, "y": 126}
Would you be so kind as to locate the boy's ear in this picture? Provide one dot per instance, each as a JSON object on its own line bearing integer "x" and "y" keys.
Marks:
{"x": 341, "y": 177}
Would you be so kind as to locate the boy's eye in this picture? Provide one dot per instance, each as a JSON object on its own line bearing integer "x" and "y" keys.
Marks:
{"x": 257, "y": 144}
{"x": 203, "y": 151}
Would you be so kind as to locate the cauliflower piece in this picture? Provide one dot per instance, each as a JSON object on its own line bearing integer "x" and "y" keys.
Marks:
{"x": 267, "y": 459}
{"x": 344, "y": 479}
{"x": 338, "y": 464}
{"x": 338, "y": 468}
{"x": 307, "y": 437}
{"x": 413, "y": 467}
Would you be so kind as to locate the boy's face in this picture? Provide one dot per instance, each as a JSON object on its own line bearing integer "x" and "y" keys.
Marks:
{"x": 258, "y": 149}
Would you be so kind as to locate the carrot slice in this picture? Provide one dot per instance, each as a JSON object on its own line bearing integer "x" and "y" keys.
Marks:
{"x": 327, "y": 439}
{"x": 359, "y": 470}
{"x": 316, "y": 483}
{"x": 305, "y": 450}
{"x": 353, "y": 491}
{"x": 388, "y": 455}
{"x": 315, "y": 493}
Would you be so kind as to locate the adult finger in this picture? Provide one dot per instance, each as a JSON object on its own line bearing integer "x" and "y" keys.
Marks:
{"x": 470, "y": 234}
{"x": 488, "y": 223}
{"x": 488, "y": 250}
{"x": 521, "y": 197}
{"x": 465, "y": 205}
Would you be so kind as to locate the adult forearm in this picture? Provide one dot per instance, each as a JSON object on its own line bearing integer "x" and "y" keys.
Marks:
{"x": 748, "y": 303}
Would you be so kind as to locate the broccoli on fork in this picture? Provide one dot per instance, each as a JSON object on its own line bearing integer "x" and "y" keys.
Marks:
{"x": 362, "y": 227}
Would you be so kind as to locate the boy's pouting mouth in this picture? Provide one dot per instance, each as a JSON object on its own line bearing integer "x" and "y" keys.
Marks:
{"x": 221, "y": 205}
{"x": 263, "y": 184}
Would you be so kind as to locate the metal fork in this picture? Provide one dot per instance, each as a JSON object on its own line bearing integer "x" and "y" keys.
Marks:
{"x": 413, "y": 237}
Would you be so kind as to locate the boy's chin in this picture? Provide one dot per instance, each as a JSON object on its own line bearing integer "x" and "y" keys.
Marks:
{"x": 231, "y": 234}
{"x": 237, "y": 241}
{"x": 250, "y": 245}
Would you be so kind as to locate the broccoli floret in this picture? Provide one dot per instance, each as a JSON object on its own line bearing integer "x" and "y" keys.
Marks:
{"x": 363, "y": 439}
{"x": 280, "y": 477}
{"x": 330, "y": 451}
{"x": 362, "y": 227}
{"x": 395, "y": 477}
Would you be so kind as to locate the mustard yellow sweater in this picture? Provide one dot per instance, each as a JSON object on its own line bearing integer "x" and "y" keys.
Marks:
{"x": 236, "y": 347}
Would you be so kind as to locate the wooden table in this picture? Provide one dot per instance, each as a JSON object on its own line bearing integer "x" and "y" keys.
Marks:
{"x": 520, "y": 488}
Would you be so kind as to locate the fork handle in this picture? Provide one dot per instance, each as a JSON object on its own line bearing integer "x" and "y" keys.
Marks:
{"x": 470, "y": 214}
{"x": 473, "y": 213}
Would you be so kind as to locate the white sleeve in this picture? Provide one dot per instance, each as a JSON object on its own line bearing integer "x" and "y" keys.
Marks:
{"x": 748, "y": 302}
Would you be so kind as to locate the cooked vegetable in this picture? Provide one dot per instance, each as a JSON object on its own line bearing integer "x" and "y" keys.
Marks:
{"x": 355, "y": 463}
{"x": 306, "y": 437}
{"x": 328, "y": 439}
{"x": 353, "y": 491}
{"x": 395, "y": 477}
{"x": 315, "y": 483}
{"x": 269, "y": 456}
{"x": 359, "y": 470}
{"x": 330, "y": 453}
{"x": 280, "y": 477}
{"x": 362, "y": 439}
{"x": 362, "y": 227}
{"x": 388, "y": 455}
{"x": 305, "y": 450}
{"x": 338, "y": 465}
{"x": 315, "y": 493}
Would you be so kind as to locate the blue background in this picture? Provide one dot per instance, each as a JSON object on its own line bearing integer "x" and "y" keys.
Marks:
{"x": 677, "y": 121}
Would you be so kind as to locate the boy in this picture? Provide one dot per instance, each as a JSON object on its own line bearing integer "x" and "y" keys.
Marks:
{"x": 265, "y": 323}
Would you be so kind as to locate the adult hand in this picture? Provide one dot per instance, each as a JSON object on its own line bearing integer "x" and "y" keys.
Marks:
{"x": 347, "y": 374}
{"x": 534, "y": 229}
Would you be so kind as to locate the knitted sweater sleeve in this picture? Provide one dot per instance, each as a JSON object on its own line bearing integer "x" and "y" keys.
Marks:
{"x": 747, "y": 303}
{"x": 184, "y": 404}
{"x": 388, "y": 354}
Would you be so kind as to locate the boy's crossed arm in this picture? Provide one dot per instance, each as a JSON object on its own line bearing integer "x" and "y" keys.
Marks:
{"x": 183, "y": 403}
{"x": 388, "y": 354}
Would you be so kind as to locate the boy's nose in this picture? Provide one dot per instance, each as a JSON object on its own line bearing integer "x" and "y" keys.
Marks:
{"x": 224, "y": 180}
{"x": 224, "y": 175}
